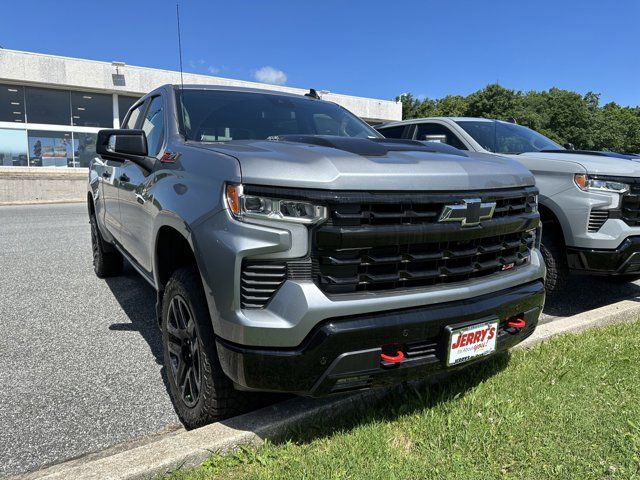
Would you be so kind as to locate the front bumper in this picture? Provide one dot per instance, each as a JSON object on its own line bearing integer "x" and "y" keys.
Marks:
{"x": 343, "y": 353}
{"x": 619, "y": 261}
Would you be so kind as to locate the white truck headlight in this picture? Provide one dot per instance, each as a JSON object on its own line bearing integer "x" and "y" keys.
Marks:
{"x": 584, "y": 182}
{"x": 284, "y": 210}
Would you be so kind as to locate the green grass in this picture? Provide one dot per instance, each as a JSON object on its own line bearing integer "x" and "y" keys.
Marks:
{"x": 569, "y": 408}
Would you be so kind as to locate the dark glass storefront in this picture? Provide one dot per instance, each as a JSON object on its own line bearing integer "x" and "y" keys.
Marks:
{"x": 66, "y": 125}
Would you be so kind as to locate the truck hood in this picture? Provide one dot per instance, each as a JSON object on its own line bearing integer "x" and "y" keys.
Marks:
{"x": 594, "y": 164}
{"x": 360, "y": 164}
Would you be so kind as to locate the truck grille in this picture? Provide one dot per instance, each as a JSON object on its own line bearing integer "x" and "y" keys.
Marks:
{"x": 417, "y": 265}
{"x": 394, "y": 241}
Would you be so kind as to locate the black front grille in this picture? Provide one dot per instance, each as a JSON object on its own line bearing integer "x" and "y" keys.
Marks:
{"x": 390, "y": 241}
{"x": 417, "y": 265}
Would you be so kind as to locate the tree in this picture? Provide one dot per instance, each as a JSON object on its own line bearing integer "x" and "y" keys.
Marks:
{"x": 493, "y": 101}
{"x": 561, "y": 115}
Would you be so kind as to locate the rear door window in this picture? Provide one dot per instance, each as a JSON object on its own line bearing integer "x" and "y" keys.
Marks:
{"x": 393, "y": 132}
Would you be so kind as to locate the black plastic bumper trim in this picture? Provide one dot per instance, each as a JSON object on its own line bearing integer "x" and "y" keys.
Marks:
{"x": 344, "y": 353}
{"x": 620, "y": 261}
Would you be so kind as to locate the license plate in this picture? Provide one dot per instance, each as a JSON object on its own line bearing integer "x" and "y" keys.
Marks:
{"x": 467, "y": 343}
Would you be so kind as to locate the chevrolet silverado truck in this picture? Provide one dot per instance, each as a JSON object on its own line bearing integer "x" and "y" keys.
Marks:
{"x": 589, "y": 201}
{"x": 294, "y": 249}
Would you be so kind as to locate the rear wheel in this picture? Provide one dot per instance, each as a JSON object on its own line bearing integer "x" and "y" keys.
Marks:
{"x": 200, "y": 391}
{"x": 107, "y": 261}
{"x": 555, "y": 258}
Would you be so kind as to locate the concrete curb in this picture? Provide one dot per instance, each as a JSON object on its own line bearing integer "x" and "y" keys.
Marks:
{"x": 185, "y": 449}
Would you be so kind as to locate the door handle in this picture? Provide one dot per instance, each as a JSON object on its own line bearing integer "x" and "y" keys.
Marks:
{"x": 124, "y": 178}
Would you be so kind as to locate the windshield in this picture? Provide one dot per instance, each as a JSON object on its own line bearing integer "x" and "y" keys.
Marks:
{"x": 222, "y": 116}
{"x": 499, "y": 137}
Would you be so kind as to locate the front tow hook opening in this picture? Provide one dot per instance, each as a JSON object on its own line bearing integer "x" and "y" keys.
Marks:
{"x": 391, "y": 355}
{"x": 515, "y": 324}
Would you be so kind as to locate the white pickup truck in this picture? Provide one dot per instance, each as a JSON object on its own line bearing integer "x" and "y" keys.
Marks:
{"x": 589, "y": 201}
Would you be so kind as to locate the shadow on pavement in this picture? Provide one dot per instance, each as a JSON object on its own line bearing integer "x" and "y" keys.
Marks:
{"x": 138, "y": 301}
{"x": 584, "y": 293}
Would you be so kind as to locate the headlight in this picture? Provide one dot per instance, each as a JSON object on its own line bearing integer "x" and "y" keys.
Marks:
{"x": 251, "y": 206}
{"x": 599, "y": 185}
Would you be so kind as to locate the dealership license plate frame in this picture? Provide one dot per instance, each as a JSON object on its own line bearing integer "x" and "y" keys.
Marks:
{"x": 452, "y": 330}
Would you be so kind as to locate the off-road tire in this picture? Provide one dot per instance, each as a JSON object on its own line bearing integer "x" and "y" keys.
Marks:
{"x": 217, "y": 398}
{"x": 107, "y": 261}
{"x": 555, "y": 258}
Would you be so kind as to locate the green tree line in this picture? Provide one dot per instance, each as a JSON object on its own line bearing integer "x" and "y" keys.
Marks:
{"x": 562, "y": 115}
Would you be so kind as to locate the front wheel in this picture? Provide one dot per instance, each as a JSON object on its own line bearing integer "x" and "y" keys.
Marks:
{"x": 199, "y": 389}
{"x": 555, "y": 259}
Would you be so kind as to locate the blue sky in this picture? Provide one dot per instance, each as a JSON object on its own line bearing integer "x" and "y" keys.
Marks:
{"x": 367, "y": 48}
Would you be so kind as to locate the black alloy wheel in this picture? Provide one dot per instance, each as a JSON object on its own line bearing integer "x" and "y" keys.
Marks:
{"x": 184, "y": 350}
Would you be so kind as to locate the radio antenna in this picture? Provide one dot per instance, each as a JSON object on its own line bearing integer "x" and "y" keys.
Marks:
{"x": 179, "y": 44}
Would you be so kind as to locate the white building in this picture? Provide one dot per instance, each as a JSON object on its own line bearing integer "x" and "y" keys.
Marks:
{"x": 51, "y": 107}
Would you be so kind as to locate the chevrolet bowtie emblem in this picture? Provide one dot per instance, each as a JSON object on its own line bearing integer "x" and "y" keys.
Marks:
{"x": 469, "y": 213}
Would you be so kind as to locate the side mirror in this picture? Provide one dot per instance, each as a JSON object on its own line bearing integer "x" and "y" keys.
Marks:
{"x": 569, "y": 146}
{"x": 123, "y": 144}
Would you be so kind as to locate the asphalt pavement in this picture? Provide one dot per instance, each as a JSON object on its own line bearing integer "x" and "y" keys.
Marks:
{"x": 80, "y": 357}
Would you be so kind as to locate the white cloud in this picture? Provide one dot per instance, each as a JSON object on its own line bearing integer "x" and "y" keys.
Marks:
{"x": 271, "y": 75}
{"x": 201, "y": 65}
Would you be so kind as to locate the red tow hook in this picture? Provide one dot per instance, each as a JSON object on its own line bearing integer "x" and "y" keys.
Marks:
{"x": 397, "y": 358}
{"x": 516, "y": 323}
{"x": 392, "y": 356}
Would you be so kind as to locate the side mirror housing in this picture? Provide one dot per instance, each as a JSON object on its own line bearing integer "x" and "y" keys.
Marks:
{"x": 121, "y": 143}
{"x": 124, "y": 144}
{"x": 569, "y": 146}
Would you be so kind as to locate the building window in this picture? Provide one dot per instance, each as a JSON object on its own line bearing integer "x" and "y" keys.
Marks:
{"x": 124, "y": 104}
{"x": 50, "y": 149}
{"x": 45, "y": 105}
{"x": 13, "y": 148}
{"x": 11, "y": 103}
{"x": 91, "y": 109}
{"x": 84, "y": 148}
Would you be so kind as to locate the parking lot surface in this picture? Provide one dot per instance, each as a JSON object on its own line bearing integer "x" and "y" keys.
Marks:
{"x": 80, "y": 357}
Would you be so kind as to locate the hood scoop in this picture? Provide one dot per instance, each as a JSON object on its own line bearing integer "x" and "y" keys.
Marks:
{"x": 369, "y": 147}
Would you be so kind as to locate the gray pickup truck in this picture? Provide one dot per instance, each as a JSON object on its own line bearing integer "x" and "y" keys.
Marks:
{"x": 294, "y": 249}
{"x": 589, "y": 201}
